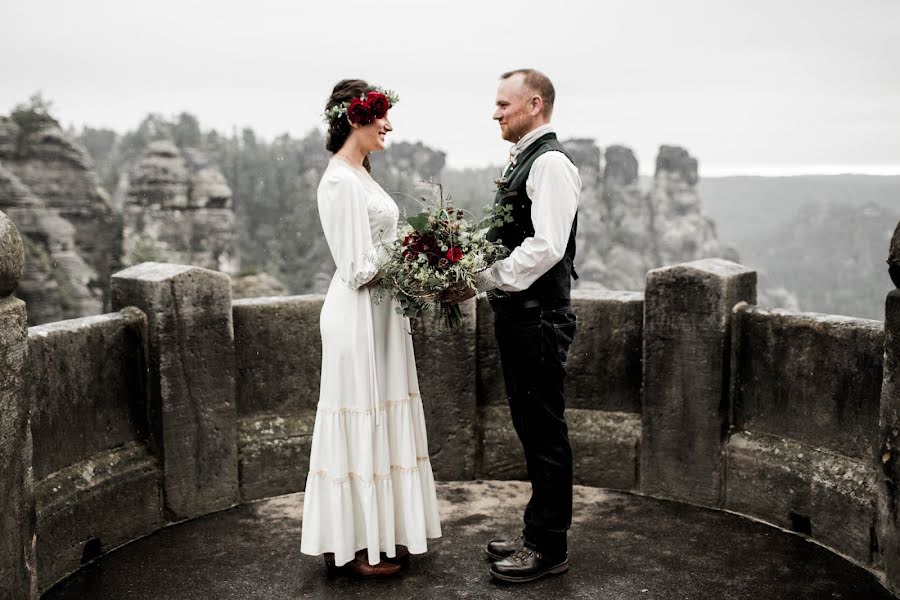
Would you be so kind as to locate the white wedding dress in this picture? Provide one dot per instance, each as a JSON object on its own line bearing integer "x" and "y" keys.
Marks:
{"x": 370, "y": 484}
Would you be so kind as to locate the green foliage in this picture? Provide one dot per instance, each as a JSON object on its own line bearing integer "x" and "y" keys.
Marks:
{"x": 35, "y": 254}
{"x": 418, "y": 222}
{"x": 34, "y": 114}
{"x": 248, "y": 271}
{"x": 68, "y": 300}
{"x": 146, "y": 250}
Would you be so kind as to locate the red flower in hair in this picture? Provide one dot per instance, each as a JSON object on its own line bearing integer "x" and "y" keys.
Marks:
{"x": 379, "y": 103}
{"x": 359, "y": 112}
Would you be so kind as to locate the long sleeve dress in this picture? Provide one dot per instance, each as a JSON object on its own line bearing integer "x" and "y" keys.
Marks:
{"x": 370, "y": 484}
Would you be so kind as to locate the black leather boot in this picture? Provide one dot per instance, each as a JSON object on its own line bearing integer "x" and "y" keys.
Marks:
{"x": 500, "y": 549}
{"x": 528, "y": 565}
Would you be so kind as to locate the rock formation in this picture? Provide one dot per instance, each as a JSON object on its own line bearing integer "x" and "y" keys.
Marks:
{"x": 59, "y": 175}
{"x": 256, "y": 285}
{"x": 894, "y": 257}
{"x": 179, "y": 209}
{"x": 683, "y": 231}
{"x": 57, "y": 282}
{"x": 623, "y": 232}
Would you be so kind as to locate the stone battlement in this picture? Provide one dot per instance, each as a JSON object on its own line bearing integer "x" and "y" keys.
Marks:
{"x": 183, "y": 402}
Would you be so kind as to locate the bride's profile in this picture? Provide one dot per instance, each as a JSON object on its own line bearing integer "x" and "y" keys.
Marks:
{"x": 370, "y": 498}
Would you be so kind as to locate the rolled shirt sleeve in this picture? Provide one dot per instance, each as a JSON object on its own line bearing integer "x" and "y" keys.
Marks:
{"x": 553, "y": 186}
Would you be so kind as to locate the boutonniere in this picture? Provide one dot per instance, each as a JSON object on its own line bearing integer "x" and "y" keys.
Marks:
{"x": 501, "y": 182}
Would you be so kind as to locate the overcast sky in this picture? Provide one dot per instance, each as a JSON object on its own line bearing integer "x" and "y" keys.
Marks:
{"x": 769, "y": 86}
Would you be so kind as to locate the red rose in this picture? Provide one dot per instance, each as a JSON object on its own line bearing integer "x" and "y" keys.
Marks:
{"x": 379, "y": 104}
{"x": 407, "y": 240}
{"x": 454, "y": 254}
{"x": 359, "y": 112}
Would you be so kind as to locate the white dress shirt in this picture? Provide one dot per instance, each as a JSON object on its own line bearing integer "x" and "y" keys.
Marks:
{"x": 553, "y": 185}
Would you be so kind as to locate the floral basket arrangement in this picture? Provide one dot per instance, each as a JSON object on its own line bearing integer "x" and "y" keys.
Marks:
{"x": 438, "y": 250}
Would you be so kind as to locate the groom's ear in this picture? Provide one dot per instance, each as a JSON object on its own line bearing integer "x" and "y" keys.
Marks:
{"x": 536, "y": 105}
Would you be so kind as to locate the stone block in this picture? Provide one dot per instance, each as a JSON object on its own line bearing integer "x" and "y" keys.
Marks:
{"x": 826, "y": 496}
{"x": 605, "y": 447}
{"x": 278, "y": 350}
{"x": 500, "y": 451}
{"x": 89, "y": 373}
{"x": 809, "y": 377}
{"x": 604, "y": 368}
{"x": 687, "y": 318}
{"x": 94, "y": 506}
{"x": 17, "y": 516}
{"x": 490, "y": 388}
{"x": 274, "y": 453}
{"x": 888, "y": 456}
{"x": 446, "y": 366}
{"x": 12, "y": 256}
{"x": 192, "y": 381}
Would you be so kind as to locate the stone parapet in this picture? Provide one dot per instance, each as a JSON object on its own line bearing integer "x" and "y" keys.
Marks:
{"x": 605, "y": 447}
{"x": 888, "y": 455}
{"x": 273, "y": 453}
{"x": 446, "y": 364}
{"x": 278, "y": 354}
{"x": 604, "y": 366}
{"x": 93, "y": 506}
{"x": 72, "y": 380}
{"x": 191, "y": 381}
{"x": 824, "y": 495}
{"x": 809, "y": 377}
{"x": 17, "y": 512}
{"x": 687, "y": 314}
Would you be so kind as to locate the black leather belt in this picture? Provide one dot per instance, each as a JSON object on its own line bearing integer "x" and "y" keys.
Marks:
{"x": 513, "y": 303}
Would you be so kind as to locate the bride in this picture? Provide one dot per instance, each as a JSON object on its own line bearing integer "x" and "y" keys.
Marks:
{"x": 370, "y": 498}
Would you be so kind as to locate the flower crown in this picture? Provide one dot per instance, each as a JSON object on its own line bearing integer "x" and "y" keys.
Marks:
{"x": 365, "y": 109}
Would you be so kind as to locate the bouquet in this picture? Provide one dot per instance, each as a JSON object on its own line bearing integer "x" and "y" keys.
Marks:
{"x": 438, "y": 249}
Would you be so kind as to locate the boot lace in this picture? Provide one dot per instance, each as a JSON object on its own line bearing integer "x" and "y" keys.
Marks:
{"x": 521, "y": 555}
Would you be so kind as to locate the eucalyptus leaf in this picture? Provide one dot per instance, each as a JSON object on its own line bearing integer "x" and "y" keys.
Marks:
{"x": 418, "y": 222}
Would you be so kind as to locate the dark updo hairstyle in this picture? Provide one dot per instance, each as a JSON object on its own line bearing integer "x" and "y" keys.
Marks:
{"x": 339, "y": 129}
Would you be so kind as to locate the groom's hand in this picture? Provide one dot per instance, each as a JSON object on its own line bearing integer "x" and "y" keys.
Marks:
{"x": 458, "y": 292}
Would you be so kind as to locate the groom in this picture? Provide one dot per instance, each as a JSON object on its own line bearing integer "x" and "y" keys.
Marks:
{"x": 533, "y": 318}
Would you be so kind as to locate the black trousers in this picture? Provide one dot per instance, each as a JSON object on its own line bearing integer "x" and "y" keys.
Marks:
{"x": 534, "y": 345}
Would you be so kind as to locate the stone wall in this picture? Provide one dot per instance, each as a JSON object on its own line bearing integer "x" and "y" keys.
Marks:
{"x": 805, "y": 400}
{"x": 17, "y": 530}
{"x": 96, "y": 478}
{"x": 185, "y": 402}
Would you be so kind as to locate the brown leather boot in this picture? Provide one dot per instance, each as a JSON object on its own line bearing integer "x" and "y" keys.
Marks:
{"x": 360, "y": 567}
{"x": 401, "y": 558}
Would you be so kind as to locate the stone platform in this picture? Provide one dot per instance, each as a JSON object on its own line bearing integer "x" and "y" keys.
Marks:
{"x": 621, "y": 547}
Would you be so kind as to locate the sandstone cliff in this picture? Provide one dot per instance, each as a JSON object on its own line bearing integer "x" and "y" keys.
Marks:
{"x": 59, "y": 172}
{"x": 178, "y": 208}
{"x": 57, "y": 283}
{"x": 623, "y": 231}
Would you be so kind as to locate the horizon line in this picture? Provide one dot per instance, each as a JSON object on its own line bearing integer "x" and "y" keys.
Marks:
{"x": 798, "y": 170}
{"x": 757, "y": 170}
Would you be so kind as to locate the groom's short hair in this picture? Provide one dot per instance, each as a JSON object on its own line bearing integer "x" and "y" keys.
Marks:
{"x": 537, "y": 82}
